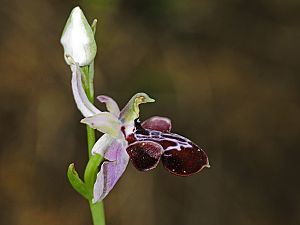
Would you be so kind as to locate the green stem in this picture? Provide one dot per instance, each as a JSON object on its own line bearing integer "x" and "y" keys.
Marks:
{"x": 88, "y": 72}
{"x": 97, "y": 209}
{"x": 90, "y": 139}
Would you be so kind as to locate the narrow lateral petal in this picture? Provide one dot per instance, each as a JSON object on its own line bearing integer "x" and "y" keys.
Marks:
{"x": 102, "y": 144}
{"x": 111, "y": 105}
{"x": 104, "y": 122}
{"x": 110, "y": 172}
{"x": 144, "y": 155}
{"x": 162, "y": 124}
{"x": 83, "y": 104}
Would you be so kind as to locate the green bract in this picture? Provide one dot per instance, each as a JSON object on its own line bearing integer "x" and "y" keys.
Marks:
{"x": 78, "y": 39}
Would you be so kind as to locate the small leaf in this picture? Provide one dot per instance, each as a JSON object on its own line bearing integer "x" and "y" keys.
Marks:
{"x": 94, "y": 26}
{"x": 77, "y": 183}
{"x": 91, "y": 170}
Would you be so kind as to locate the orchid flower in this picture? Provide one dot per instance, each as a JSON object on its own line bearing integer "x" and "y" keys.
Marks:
{"x": 125, "y": 138}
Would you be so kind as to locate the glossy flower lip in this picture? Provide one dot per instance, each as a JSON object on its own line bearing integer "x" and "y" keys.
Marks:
{"x": 153, "y": 140}
{"x": 145, "y": 155}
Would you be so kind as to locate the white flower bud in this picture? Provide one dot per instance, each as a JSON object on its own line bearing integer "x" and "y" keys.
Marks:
{"x": 78, "y": 39}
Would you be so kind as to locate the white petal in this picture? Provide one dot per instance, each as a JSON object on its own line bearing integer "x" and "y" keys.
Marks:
{"x": 102, "y": 145}
{"x": 104, "y": 122}
{"x": 83, "y": 104}
{"x": 111, "y": 105}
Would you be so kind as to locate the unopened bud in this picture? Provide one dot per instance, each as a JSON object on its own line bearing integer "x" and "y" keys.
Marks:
{"x": 78, "y": 39}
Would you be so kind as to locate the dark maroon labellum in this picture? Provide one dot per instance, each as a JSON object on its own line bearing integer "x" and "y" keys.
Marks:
{"x": 185, "y": 162}
{"x": 179, "y": 155}
{"x": 145, "y": 155}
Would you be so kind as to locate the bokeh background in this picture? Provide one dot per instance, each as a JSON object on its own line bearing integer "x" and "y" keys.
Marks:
{"x": 225, "y": 72}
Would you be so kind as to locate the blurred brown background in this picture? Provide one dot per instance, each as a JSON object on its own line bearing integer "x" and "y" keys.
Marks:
{"x": 225, "y": 72}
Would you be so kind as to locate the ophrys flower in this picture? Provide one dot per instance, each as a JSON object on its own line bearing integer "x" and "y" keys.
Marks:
{"x": 125, "y": 138}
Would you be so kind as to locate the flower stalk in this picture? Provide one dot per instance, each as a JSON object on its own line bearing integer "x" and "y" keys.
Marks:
{"x": 88, "y": 77}
{"x": 97, "y": 209}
